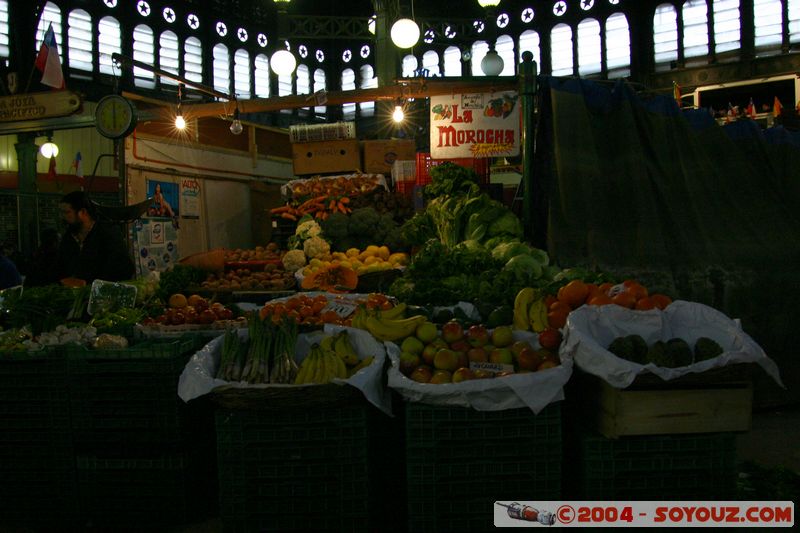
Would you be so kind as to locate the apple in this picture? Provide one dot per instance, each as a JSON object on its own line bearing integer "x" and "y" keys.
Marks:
{"x": 528, "y": 359}
{"x": 501, "y": 356}
{"x": 408, "y": 362}
{"x": 547, "y": 364}
{"x": 421, "y": 374}
{"x": 478, "y": 335}
{"x": 445, "y": 360}
{"x": 201, "y": 305}
{"x": 482, "y": 374}
{"x": 463, "y": 374}
{"x": 547, "y": 355}
{"x": 463, "y": 360}
{"x": 550, "y": 338}
{"x": 478, "y": 355}
{"x": 518, "y": 346}
{"x": 412, "y": 345}
{"x": 488, "y": 348}
{"x": 429, "y": 352}
{"x": 225, "y": 314}
{"x": 426, "y": 332}
{"x": 452, "y": 331}
{"x": 441, "y": 376}
{"x": 502, "y": 336}
{"x": 177, "y": 319}
{"x": 215, "y": 306}
{"x": 460, "y": 345}
{"x": 207, "y": 317}
{"x": 190, "y": 313}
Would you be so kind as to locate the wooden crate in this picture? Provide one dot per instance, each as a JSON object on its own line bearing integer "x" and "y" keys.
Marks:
{"x": 326, "y": 157}
{"x": 714, "y": 401}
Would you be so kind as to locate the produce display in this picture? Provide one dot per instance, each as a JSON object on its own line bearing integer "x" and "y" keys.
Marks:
{"x": 321, "y": 197}
{"x": 273, "y": 277}
{"x": 320, "y": 309}
{"x": 372, "y": 259}
{"x": 192, "y": 310}
{"x": 270, "y": 252}
{"x": 333, "y": 357}
{"x": 267, "y": 356}
{"x": 673, "y": 353}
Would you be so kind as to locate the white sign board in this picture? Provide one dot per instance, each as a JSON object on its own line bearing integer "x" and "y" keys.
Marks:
{"x": 475, "y": 125}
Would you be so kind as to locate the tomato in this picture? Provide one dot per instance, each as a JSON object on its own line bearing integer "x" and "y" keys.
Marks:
{"x": 550, "y": 339}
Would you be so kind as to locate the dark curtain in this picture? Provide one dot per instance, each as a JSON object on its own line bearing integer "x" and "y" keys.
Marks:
{"x": 629, "y": 184}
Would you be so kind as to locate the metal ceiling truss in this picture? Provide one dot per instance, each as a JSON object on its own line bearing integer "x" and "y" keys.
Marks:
{"x": 309, "y": 27}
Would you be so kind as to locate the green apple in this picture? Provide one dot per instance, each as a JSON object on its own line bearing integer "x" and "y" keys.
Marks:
{"x": 426, "y": 332}
{"x": 445, "y": 359}
{"x": 421, "y": 374}
{"x": 441, "y": 376}
{"x": 408, "y": 362}
{"x": 502, "y": 336}
{"x": 412, "y": 345}
{"x": 463, "y": 374}
{"x": 501, "y": 356}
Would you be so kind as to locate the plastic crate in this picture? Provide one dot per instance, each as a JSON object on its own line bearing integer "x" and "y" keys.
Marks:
{"x": 33, "y": 391}
{"x": 155, "y": 490}
{"x": 424, "y": 164}
{"x": 690, "y": 466}
{"x": 41, "y": 498}
{"x": 129, "y": 397}
{"x": 460, "y": 461}
{"x": 299, "y": 469}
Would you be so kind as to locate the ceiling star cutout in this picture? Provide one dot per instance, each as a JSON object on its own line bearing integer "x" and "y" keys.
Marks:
{"x": 111, "y": 3}
{"x": 241, "y": 33}
{"x": 222, "y": 29}
{"x": 559, "y": 8}
{"x": 262, "y": 40}
{"x": 347, "y": 55}
{"x": 193, "y": 21}
{"x": 320, "y": 55}
{"x": 303, "y": 51}
{"x": 479, "y": 26}
{"x": 502, "y": 20}
{"x": 169, "y": 14}
{"x": 143, "y": 8}
{"x": 429, "y": 36}
{"x": 527, "y": 15}
{"x": 586, "y": 5}
{"x": 365, "y": 50}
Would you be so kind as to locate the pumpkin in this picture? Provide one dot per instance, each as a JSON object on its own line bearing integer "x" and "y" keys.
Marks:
{"x": 333, "y": 278}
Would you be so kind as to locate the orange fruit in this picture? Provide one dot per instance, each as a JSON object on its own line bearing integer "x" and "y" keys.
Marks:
{"x": 661, "y": 300}
{"x": 645, "y": 303}
{"x": 599, "y": 299}
{"x": 549, "y": 300}
{"x": 633, "y": 286}
{"x": 574, "y": 293}
{"x": 559, "y": 306}
{"x": 605, "y": 287}
{"x": 557, "y": 319}
{"x": 624, "y": 299}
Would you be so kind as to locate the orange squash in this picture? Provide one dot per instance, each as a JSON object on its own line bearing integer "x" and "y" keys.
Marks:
{"x": 331, "y": 279}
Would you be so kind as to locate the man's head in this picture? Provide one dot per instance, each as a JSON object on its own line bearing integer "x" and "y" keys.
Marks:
{"x": 77, "y": 210}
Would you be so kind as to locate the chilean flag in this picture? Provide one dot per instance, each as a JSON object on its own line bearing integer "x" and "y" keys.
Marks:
{"x": 49, "y": 62}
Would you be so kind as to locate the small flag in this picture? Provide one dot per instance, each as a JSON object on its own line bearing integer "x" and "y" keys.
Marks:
{"x": 731, "y": 114}
{"x": 676, "y": 93}
{"x": 49, "y": 62}
{"x": 78, "y": 165}
{"x": 751, "y": 109}
{"x": 776, "y": 107}
{"x": 51, "y": 171}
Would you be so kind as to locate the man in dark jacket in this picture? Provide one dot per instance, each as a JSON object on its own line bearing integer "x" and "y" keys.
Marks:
{"x": 88, "y": 249}
{"x": 9, "y": 275}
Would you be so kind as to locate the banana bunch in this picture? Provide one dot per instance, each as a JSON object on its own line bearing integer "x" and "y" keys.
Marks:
{"x": 343, "y": 348}
{"x": 361, "y": 315}
{"x": 392, "y": 329}
{"x": 364, "y": 363}
{"x": 530, "y": 310}
{"x": 320, "y": 366}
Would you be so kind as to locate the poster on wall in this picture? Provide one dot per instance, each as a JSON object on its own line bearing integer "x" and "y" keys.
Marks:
{"x": 190, "y": 198}
{"x": 475, "y": 125}
{"x": 155, "y": 242}
{"x": 165, "y": 200}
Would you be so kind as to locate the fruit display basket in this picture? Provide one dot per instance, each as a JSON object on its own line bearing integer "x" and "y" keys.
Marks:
{"x": 459, "y": 461}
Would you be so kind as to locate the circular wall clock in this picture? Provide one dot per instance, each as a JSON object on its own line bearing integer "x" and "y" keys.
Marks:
{"x": 115, "y": 116}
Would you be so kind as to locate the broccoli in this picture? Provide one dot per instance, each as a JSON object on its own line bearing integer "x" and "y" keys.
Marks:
{"x": 395, "y": 240}
{"x": 335, "y": 226}
{"x": 706, "y": 348}
{"x": 639, "y": 348}
{"x": 363, "y": 221}
{"x": 679, "y": 352}
{"x": 622, "y": 348}
{"x": 384, "y": 227}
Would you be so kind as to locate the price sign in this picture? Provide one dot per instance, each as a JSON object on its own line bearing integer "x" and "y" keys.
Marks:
{"x": 494, "y": 368}
{"x": 343, "y": 308}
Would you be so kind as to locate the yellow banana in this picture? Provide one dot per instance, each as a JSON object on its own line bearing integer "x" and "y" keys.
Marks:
{"x": 327, "y": 342}
{"x": 304, "y": 370}
{"x": 392, "y": 330}
{"x": 363, "y": 364}
{"x": 522, "y": 301}
{"x": 398, "y": 311}
{"x": 358, "y": 319}
{"x": 537, "y": 315}
{"x": 341, "y": 369}
{"x": 319, "y": 367}
{"x": 344, "y": 349}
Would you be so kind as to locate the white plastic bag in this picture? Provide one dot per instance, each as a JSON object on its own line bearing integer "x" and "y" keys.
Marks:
{"x": 590, "y": 329}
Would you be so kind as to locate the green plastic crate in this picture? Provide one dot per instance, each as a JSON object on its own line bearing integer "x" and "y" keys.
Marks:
{"x": 329, "y": 468}
{"x": 460, "y": 461}
{"x": 39, "y": 497}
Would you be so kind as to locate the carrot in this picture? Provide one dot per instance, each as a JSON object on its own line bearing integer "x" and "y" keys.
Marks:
{"x": 332, "y": 205}
{"x": 315, "y": 200}
{"x": 283, "y": 209}
{"x": 288, "y": 216}
{"x": 344, "y": 200}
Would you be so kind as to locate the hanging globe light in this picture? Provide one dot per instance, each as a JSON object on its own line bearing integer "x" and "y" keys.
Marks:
{"x": 492, "y": 64}
{"x": 283, "y": 63}
{"x": 405, "y": 33}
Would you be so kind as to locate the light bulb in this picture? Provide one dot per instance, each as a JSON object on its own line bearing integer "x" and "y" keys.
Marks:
{"x": 492, "y": 64}
{"x": 236, "y": 126}
{"x": 488, "y": 3}
{"x": 283, "y": 63}
{"x": 405, "y": 33}
{"x": 49, "y": 149}
{"x": 371, "y": 24}
{"x": 180, "y": 122}
{"x": 398, "y": 114}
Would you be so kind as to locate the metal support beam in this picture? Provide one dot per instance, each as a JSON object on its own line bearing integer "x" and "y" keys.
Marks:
{"x": 26, "y": 199}
{"x": 527, "y": 91}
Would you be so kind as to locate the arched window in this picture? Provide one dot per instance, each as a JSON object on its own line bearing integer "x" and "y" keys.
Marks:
{"x": 794, "y": 21}
{"x": 348, "y": 84}
{"x": 79, "y": 34}
{"x": 768, "y": 22}
{"x": 409, "y": 66}
{"x": 529, "y": 42}
{"x": 320, "y": 85}
{"x": 109, "y": 42}
{"x": 505, "y": 49}
{"x": 285, "y": 83}
{"x": 222, "y": 68}
{"x": 727, "y": 26}
{"x": 193, "y": 59}
{"x": 589, "y": 47}
{"x": 452, "y": 61}
{"x": 303, "y": 83}
{"x": 665, "y": 35}
{"x": 261, "y": 76}
{"x": 368, "y": 81}
{"x": 50, "y": 14}
{"x": 618, "y": 46}
{"x": 430, "y": 62}
{"x": 168, "y": 56}
{"x": 479, "y": 49}
{"x": 143, "y": 50}
{"x": 561, "y": 50}
{"x": 4, "y": 29}
{"x": 695, "y": 28}
{"x": 241, "y": 74}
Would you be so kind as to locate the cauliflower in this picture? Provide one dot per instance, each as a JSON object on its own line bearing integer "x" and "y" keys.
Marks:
{"x": 306, "y": 229}
{"x": 316, "y": 247}
{"x": 294, "y": 260}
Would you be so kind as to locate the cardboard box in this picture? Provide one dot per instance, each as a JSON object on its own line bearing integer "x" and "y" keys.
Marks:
{"x": 326, "y": 157}
{"x": 380, "y": 155}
